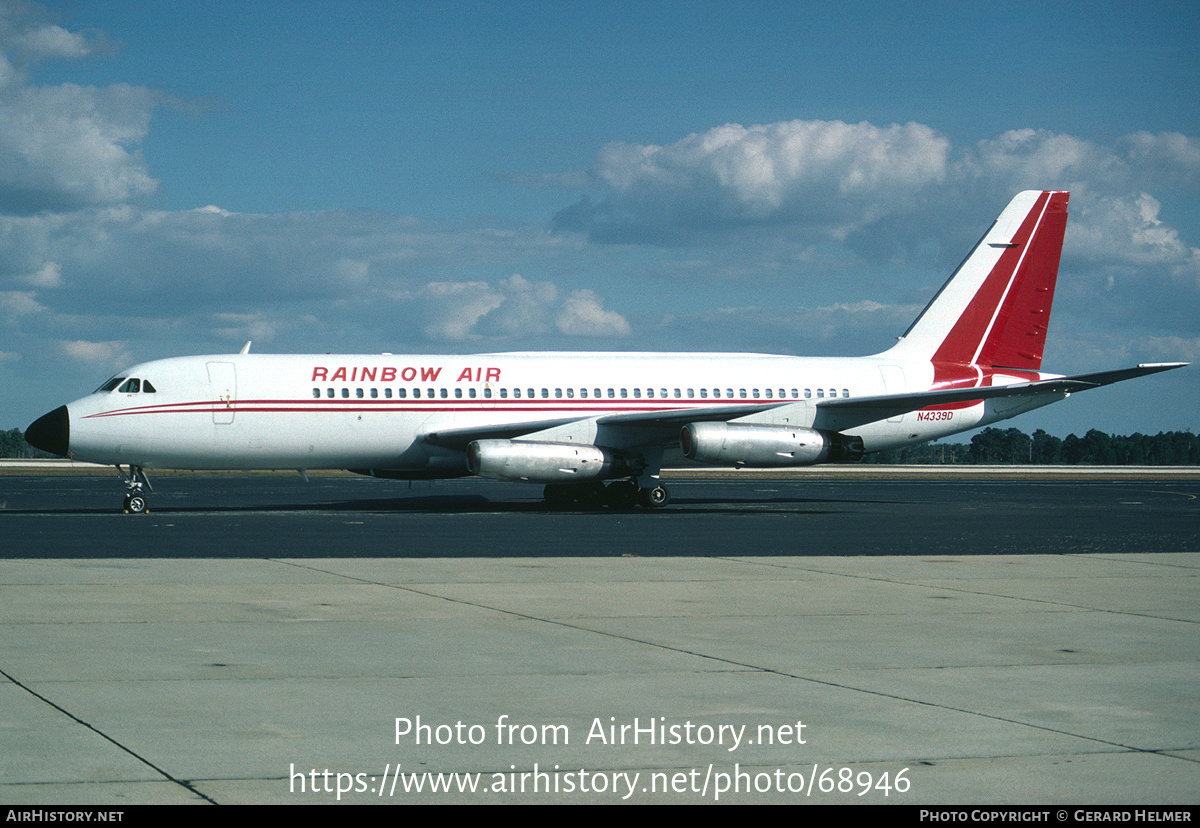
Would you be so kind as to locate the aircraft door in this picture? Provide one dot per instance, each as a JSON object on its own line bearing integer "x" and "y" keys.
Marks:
{"x": 222, "y": 379}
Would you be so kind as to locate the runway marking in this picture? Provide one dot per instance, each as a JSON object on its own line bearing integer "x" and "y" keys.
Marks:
{"x": 106, "y": 737}
{"x": 745, "y": 665}
{"x": 1185, "y": 494}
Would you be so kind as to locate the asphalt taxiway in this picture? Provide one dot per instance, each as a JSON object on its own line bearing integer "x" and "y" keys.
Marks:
{"x": 258, "y": 639}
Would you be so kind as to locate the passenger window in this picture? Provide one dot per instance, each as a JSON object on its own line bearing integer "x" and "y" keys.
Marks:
{"x": 820, "y": 393}
{"x": 637, "y": 393}
{"x": 387, "y": 392}
{"x": 487, "y": 393}
{"x": 345, "y": 393}
{"x": 329, "y": 393}
{"x": 445, "y": 395}
{"x": 458, "y": 393}
{"x": 316, "y": 393}
{"x": 845, "y": 392}
{"x": 704, "y": 393}
{"x": 471, "y": 393}
{"x": 374, "y": 393}
{"x": 570, "y": 393}
{"x": 583, "y": 393}
{"x": 358, "y": 392}
{"x": 516, "y": 393}
{"x": 504, "y": 393}
{"x": 402, "y": 393}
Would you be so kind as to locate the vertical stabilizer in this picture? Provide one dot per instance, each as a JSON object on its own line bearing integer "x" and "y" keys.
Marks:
{"x": 994, "y": 310}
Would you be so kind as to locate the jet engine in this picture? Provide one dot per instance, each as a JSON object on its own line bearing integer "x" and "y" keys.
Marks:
{"x": 765, "y": 446}
{"x": 544, "y": 462}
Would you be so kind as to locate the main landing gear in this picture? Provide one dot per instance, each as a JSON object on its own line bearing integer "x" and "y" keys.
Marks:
{"x": 135, "y": 502}
{"x": 620, "y": 495}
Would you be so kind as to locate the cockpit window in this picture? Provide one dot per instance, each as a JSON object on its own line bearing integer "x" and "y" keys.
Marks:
{"x": 147, "y": 388}
{"x": 131, "y": 386}
{"x": 110, "y": 385}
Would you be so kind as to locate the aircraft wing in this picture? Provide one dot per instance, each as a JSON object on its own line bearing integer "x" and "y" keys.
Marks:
{"x": 682, "y": 416}
{"x": 846, "y": 412}
{"x": 670, "y": 419}
{"x": 855, "y": 411}
{"x": 460, "y": 438}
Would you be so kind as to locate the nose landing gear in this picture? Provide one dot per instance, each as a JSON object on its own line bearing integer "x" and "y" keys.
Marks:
{"x": 135, "y": 502}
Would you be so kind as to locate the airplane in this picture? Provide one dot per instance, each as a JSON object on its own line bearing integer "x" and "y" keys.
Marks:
{"x": 594, "y": 428}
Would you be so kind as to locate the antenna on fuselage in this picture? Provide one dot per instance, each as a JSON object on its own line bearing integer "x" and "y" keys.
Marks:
{"x": 246, "y": 348}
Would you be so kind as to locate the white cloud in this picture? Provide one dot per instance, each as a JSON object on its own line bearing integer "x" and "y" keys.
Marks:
{"x": 41, "y": 42}
{"x": 525, "y": 307}
{"x": 70, "y": 146}
{"x": 733, "y": 175}
{"x": 1169, "y": 157}
{"x": 48, "y": 275}
{"x": 451, "y": 309}
{"x": 514, "y": 307}
{"x": 1019, "y": 157}
{"x": 1127, "y": 230}
{"x": 1170, "y": 349}
{"x": 65, "y": 146}
{"x": 881, "y": 187}
{"x": 583, "y": 315}
{"x": 19, "y": 302}
{"x": 105, "y": 354}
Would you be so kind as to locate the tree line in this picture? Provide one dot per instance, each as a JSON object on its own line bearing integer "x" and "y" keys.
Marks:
{"x": 12, "y": 444}
{"x": 1013, "y": 446}
{"x": 990, "y": 446}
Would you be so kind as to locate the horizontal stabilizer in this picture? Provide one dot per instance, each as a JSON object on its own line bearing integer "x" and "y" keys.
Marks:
{"x": 857, "y": 411}
{"x": 1109, "y": 377}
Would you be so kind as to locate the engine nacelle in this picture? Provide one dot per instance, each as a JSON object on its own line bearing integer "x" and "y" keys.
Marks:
{"x": 543, "y": 462}
{"x": 766, "y": 446}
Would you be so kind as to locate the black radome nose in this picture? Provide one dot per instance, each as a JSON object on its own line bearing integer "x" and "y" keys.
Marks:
{"x": 51, "y": 432}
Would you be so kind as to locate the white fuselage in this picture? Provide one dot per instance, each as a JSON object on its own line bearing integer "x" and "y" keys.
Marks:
{"x": 256, "y": 411}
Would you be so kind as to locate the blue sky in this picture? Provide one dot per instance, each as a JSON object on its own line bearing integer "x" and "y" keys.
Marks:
{"x": 465, "y": 177}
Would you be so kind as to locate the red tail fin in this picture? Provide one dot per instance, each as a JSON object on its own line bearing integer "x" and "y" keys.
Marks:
{"x": 994, "y": 310}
